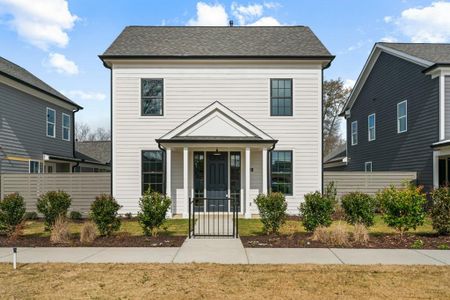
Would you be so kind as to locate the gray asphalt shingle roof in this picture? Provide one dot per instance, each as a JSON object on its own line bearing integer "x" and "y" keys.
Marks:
{"x": 434, "y": 53}
{"x": 16, "y": 72}
{"x": 95, "y": 151}
{"x": 209, "y": 41}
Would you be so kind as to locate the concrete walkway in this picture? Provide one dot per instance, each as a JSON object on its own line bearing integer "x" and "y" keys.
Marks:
{"x": 228, "y": 251}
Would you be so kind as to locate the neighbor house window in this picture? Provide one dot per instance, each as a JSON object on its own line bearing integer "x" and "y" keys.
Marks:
{"x": 281, "y": 172}
{"x": 153, "y": 171}
{"x": 368, "y": 166}
{"x": 371, "y": 127}
{"x": 34, "y": 166}
{"x": 402, "y": 117}
{"x": 152, "y": 97}
{"x": 354, "y": 133}
{"x": 281, "y": 97}
{"x": 66, "y": 127}
{"x": 51, "y": 122}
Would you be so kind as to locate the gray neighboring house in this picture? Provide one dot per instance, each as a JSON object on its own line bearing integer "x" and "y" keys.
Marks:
{"x": 95, "y": 156}
{"x": 398, "y": 114}
{"x": 336, "y": 160}
{"x": 36, "y": 124}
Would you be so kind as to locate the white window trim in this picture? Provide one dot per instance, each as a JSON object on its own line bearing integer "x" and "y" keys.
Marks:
{"x": 365, "y": 166}
{"x": 374, "y": 128}
{"x": 64, "y": 127}
{"x": 354, "y": 133}
{"x": 405, "y": 116}
{"x": 29, "y": 166}
{"x": 47, "y": 122}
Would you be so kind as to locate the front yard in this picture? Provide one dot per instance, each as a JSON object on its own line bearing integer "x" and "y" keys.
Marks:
{"x": 194, "y": 281}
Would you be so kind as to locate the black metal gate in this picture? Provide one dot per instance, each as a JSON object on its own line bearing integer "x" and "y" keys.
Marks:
{"x": 213, "y": 217}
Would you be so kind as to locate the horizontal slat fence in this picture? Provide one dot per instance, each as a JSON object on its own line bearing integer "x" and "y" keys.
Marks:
{"x": 367, "y": 182}
{"x": 82, "y": 187}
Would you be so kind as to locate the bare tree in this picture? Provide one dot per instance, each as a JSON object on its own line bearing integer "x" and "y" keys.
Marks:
{"x": 100, "y": 134}
{"x": 83, "y": 133}
{"x": 334, "y": 96}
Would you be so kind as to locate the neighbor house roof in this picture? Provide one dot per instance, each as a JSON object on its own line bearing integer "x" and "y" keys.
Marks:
{"x": 217, "y": 42}
{"x": 94, "y": 151}
{"x": 434, "y": 53}
{"x": 19, "y": 74}
{"x": 336, "y": 158}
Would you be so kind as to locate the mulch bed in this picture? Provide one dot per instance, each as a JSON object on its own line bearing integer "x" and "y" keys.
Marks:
{"x": 120, "y": 240}
{"x": 304, "y": 240}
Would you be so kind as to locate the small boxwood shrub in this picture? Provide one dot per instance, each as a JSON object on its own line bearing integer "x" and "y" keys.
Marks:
{"x": 12, "y": 211}
{"x": 402, "y": 208}
{"x": 359, "y": 208}
{"x": 154, "y": 207}
{"x": 440, "y": 210}
{"x": 316, "y": 211}
{"x": 75, "y": 215}
{"x": 272, "y": 211}
{"x": 52, "y": 205}
{"x": 104, "y": 213}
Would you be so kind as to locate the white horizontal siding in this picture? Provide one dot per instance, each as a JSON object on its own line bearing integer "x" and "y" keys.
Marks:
{"x": 189, "y": 88}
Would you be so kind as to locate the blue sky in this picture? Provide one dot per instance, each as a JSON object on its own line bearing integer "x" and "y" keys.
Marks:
{"x": 59, "y": 40}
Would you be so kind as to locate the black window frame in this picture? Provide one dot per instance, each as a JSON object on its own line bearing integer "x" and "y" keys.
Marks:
{"x": 143, "y": 98}
{"x": 292, "y": 171}
{"x": 163, "y": 171}
{"x": 272, "y": 98}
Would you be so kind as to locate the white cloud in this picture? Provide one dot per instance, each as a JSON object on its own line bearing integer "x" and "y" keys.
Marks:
{"x": 41, "y": 23}
{"x": 271, "y": 5}
{"x": 209, "y": 15}
{"x": 349, "y": 83}
{"x": 387, "y": 19}
{"x": 429, "y": 24}
{"x": 266, "y": 21}
{"x": 85, "y": 95}
{"x": 244, "y": 13}
{"x": 389, "y": 39}
{"x": 61, "y": 64}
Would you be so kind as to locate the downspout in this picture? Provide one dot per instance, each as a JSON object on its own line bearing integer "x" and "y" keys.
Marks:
{"x": 73, "y": 138}
{"x": 269, "y": 167}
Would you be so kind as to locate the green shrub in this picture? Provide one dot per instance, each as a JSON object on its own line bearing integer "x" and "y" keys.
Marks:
{"x": 75, "y": 215}
{"x": 104, "y": 213}
{"x": 12, "y": 211}
{"x": 316, "y": 211}
{"x": 52, "y": 205}
{"x": 402, "y": 208}
{"x": 272, "y": 210}
{"x": 418, "y": 244}
{"x": 331, "y": 192}
{"x": 31, "y": 215}
{"x": 154, "y": 207}
{"x": 359, "y": 208}
{"x": 443, "y": 247}
{"x": 440, "y": 210}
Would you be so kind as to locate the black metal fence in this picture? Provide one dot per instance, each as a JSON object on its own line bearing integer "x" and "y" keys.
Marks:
{"x": 213, "y": 217}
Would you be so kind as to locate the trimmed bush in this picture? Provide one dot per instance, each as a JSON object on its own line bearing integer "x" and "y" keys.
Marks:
{"x": 31, "y": 215}
{"x": 52, "y": 205}
{"x": 154, "y": 207}
{"x": 12, "y": 211}
{"x": 440, "y": 210}
{"x": 104, "y": 213}
{"x": 88, "y": 233}
{"x": 272, "y": 210}
{"x": 316, "y": 211}
{"x": 75, "y": 215}
{"x": 60, "y": 231}
{"x": 402, "y": 208}
{"x": 359, "y": 208}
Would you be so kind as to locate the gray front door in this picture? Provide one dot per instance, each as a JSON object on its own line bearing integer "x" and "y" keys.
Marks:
{"x": 217, "y": 181}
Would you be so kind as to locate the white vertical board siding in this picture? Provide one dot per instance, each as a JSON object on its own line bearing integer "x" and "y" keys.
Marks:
{"x": 190, "y": 87}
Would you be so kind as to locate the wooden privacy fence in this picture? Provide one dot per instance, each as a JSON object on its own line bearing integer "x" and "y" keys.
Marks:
{"x": 367, "y": 182}
{"x": 82, "y": 187}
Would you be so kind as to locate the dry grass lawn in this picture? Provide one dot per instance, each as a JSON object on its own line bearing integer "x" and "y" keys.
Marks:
{"x": 193, "y": 281}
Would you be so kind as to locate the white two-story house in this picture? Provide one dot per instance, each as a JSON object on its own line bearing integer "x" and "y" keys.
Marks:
{"x": 216, "y": 112}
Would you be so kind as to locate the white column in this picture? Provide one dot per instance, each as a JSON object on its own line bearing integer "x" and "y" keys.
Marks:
{"x": 169, "y": 178}
{"x": 442, "y": 116}
{"x": 248, "y": 200}
{"x": 185, "y": 181}
{"x": 264, "y": 170}
{"x": 436, "y": 169}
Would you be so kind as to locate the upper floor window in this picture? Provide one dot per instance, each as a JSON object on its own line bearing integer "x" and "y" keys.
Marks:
{"x": 368, "y": 166}
{"x": 152, "y": 97}
{"x": 153, "y": 171}
{"x": 354, "y": 133}
{"x": 281, "y": 172}
{"x": 51, "y": 122}
{"x": 66, "y": 127}
{"x": 371, "y": 127}
{"x": 402, "y": 117}
{"x": 281, "y": 97}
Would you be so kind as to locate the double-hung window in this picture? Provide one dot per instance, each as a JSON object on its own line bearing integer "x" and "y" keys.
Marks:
{"x": 368, "y": 166}
{"x": 402, "y": 117}
{"x": 65, "y": 127}
{"x": 371, "y": 127}
{"x": 152, "y": 97}
{"x": 153, "y": 171}
{"x": 51, "y": 122}
{"x": 34, "y": 166}
{"x": 281, "y": 97}
{"x": 281, "y": 172}
{"x": 354, "y": 133}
